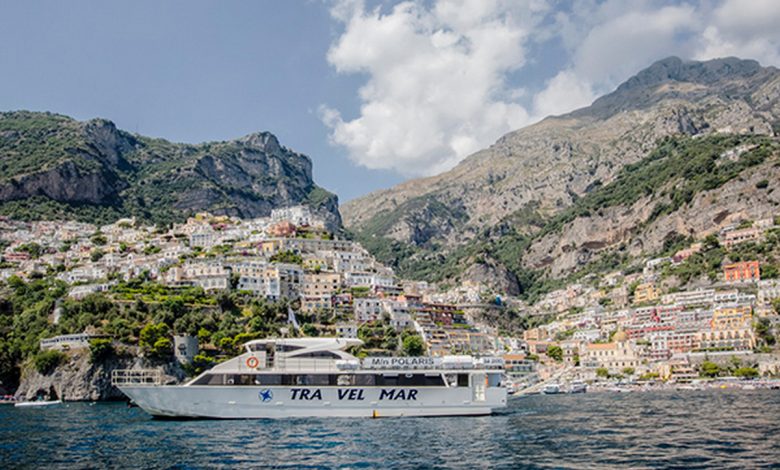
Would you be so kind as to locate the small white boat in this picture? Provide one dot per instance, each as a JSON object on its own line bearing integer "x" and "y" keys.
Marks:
{"x": 551, "y": 389}
{"x": 578, "y": 387}
{"x": 38, "y": 403}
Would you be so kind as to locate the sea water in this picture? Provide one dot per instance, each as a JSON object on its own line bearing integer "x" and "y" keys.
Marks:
{"x": 685, "y": 429}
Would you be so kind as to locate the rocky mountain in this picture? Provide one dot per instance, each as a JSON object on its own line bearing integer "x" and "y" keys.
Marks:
{"x": 510, "y": 191}
{"x": 53, "y": 166}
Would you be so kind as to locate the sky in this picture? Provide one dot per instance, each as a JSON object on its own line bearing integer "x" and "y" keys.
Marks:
{"x": 375, "y": 92}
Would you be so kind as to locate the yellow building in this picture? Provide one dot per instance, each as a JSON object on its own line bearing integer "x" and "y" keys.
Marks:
{"x": 614, "y": 356}
{"x": 646, "y": 292}
{"x": 318, "y": 285}
{"x": 731, "y": 329}
{"x": 314, "y": 263}
{"x": 732, "y": 317}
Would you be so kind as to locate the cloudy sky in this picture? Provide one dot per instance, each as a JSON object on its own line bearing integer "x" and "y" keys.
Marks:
{"x": 374, "y": 91}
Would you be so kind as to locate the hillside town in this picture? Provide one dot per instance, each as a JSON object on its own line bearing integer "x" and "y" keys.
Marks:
{"x": 621, "y": 326}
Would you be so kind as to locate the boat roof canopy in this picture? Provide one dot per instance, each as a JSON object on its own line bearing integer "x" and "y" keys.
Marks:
{"x": 336, "y": 344}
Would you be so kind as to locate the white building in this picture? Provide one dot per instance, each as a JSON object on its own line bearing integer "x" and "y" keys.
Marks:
{"x": 367, "y": 309}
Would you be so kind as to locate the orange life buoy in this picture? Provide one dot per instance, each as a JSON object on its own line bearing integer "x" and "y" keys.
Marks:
{"x": 252, "y": 362}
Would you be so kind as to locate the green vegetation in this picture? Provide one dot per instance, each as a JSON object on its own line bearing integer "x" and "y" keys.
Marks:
{"x": 746, "y": 372}
{"x": 555, "y": 353}
{"x": 379, "y": 336}
{"x": 33, "y": 249}
{"x": 155, "y": 342}
{"x": 287, "y": 257}
{"x": 137, "y": 312}
{"x": 100, "y": 349}
{"x": 412, "y": 345}
{"x": 602, "y": 372}
{"x": 46, "y": 361}
{"x": 763, "y": 328}
{"x": 709, "y": 369}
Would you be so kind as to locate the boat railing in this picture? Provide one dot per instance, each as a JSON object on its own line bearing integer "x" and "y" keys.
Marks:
{"x": 149, "y": 377}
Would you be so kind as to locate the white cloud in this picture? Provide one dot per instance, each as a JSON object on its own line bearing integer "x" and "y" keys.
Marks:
{"x": 564, "y": 92}
{"x": 438, "y": 85}
{"x": 745, "y": 29}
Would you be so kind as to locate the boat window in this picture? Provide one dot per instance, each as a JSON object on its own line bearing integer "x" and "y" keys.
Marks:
{"x": 287, "y": 347}
{"x": 410, "y": 380}
{"x": 387, "y": 379}
{"x": 452, "y": 380}
{"x": 318, "y": 355}
{"x": 267, "y": 379}
{"x": 365, "y": 379}
{"x": 463, "y": 380}
{"x": 307, "y": 379}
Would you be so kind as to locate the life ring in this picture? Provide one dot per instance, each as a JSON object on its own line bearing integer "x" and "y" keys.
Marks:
{"x": 252, "y": 362}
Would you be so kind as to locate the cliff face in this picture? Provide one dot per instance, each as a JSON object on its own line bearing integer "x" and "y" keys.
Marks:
{"x": 79, "y": 380}
{"x": 559, "y": 160}
{"x": 55, "y": 166}
{"x": 626, "y": 227}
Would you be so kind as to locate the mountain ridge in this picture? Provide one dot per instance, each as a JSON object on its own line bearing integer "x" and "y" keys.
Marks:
{"x": 53, "y": 165}
{"x": 551, "y": 164}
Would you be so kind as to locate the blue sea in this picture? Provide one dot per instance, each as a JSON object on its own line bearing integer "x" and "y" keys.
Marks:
{"x": 690, "y": 429}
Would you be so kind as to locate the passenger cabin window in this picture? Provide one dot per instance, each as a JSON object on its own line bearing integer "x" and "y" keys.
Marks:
{"x": 317, "y": 355}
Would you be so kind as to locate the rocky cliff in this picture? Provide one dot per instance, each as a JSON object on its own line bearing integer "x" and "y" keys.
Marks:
{"x": 53, "y": 166}
{"x": 77, "y": 379}
{"x": 550, "y": 165}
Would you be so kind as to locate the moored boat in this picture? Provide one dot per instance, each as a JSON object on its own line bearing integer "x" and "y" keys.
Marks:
{"x": 36, "y": 403}
{"x": 551, "y": 389}
{"x": 578, "y": 387}
{"x": 317, "y": 377}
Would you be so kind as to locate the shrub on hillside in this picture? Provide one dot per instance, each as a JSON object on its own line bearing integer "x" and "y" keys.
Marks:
{"x": 46, "y": 361}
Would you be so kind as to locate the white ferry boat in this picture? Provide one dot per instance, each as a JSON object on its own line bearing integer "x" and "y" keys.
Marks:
{"x": 316, "y": 377}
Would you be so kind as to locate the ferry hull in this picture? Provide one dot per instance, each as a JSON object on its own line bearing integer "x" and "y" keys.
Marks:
{"x": 250, "y": 402}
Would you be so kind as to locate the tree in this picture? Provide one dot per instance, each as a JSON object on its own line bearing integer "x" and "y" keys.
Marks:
{"x": 746, "y": 372}
{"x": 100, "y": 349}
{"x": 602, "y": 372}
{"x": 413, "y": 345}
{"x": 763, "y": 329}
{"x": 555, "y": 353}
{"x": 709, "y": 369}
{"x": 628, "y": 371}
{"x": 154, "y": 340}
{"x": 96, "y": 254}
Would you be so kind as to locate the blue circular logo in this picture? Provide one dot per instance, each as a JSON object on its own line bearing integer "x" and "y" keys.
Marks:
{"x": 265, "y": 395}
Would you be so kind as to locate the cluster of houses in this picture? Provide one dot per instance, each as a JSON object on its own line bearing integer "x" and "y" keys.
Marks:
{"x": 289, "y": 255}
{"x": 630, "y": 324}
